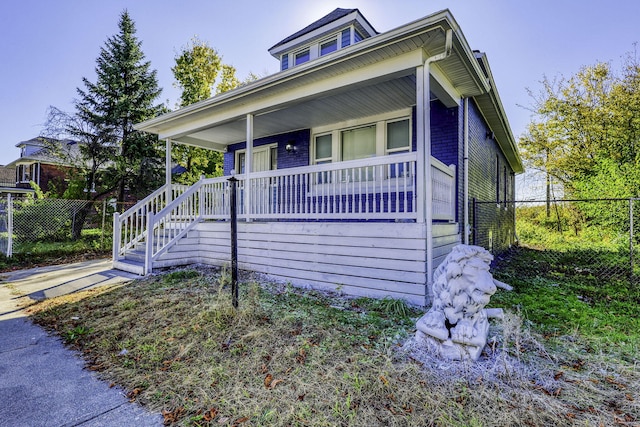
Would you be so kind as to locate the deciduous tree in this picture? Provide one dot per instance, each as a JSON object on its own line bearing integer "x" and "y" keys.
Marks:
{"x": 586, "y": 130}
{"x": 198, "y": 70}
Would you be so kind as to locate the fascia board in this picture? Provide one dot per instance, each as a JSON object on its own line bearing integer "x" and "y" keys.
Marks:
{"x": 276, "y": 101}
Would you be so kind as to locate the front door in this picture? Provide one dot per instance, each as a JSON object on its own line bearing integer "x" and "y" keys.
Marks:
{"x": 264, "y": 158}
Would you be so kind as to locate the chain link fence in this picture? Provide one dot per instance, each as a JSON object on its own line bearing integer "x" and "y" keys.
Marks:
{"x": 25, "y": 222}
{"x": 587, "y": 238}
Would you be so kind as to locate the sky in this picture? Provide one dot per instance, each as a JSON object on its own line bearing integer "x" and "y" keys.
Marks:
{"x": 47, "y": 47}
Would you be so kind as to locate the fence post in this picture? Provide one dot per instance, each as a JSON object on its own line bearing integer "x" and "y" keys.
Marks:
{"x": 234, "y": 241}
{"x": 116, "y": 235}
{"x": 9, "y": 226}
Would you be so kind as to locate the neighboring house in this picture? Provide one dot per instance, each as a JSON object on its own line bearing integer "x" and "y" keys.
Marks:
{"x": 45, "y": 161}
{"x": 356, "y": 163}
{"x": 8, "y": 183}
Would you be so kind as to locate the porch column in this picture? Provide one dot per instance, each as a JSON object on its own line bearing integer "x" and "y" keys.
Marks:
{"x": 248, "y": 168}
{"x": 423, "y": 129}
{"x": 167, "y": 169}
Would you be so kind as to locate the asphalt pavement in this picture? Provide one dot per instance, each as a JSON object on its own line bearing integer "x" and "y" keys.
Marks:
{"x": 42, "y": 383}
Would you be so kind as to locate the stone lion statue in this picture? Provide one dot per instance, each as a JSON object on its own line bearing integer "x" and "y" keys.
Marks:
{"x": 456, "y": 325}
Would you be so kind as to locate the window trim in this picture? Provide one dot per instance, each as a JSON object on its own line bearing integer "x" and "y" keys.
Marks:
{"x": 387, "y": 150}
{"x": 379, "y": 121}
{"x": 315, "y": 48}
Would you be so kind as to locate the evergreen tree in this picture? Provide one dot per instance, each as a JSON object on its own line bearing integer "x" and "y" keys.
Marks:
{"x": 124, "y": 94}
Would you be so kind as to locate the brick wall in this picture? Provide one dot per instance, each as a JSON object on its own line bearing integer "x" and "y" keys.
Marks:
{"x": 446, "y": 142}
{"x": 297, "y": 158}
{"x": 53, "y": 177}
{"x": 492, "y": 220}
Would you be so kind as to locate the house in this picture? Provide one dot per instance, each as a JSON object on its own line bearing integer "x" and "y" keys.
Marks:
{"x": 8, "y": 183}
{"x": 355, "y": 164}
{"x": 46, "y": 161}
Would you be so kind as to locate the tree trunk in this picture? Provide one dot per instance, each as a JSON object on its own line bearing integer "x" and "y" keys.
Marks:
{"x": 121, "y": 191}
{"x": 78, "y": 221}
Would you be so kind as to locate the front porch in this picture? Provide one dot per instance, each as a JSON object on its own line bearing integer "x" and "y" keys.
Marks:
{"x": 352, "y": 225}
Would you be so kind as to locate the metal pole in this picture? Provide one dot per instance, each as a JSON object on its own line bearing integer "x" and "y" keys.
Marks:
{"x": 234, "y": 241}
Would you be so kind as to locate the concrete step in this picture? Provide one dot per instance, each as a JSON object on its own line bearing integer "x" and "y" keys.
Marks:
{"x": 129, "y": 266}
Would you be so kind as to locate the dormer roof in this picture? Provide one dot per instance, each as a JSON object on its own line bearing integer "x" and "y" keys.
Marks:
{"x": 335, "y": 20}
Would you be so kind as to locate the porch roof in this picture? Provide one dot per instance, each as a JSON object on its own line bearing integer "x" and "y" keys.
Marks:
{"x": 374, "y": 76}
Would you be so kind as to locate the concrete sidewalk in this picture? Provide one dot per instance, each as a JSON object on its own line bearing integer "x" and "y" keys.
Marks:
{"x": 41, "y": 382}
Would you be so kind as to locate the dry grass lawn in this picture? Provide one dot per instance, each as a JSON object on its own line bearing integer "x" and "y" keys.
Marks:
{"x": 291, "y": 357}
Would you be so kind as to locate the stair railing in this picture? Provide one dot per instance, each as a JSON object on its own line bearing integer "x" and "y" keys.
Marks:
{"x": 129, "y": 227}
{"x": 171, "y": 223}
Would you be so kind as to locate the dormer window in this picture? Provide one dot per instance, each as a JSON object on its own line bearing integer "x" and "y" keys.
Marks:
{"x": 346, "y": 37}
{"x": 329, "y": 46}
{"x": 335, "y": 31}
{"x": 302, "y": 56}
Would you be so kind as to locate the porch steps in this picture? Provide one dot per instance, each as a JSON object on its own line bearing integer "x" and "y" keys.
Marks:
{"x": 136, "y": 255}
{"x": 130, "y": 266}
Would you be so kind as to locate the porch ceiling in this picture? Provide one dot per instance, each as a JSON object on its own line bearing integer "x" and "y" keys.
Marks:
{"x": 350, "y": 103}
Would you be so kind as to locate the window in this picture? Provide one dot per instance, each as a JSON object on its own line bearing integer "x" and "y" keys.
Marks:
{"x": 357, "y": 36}
{"x": 398, "y": 140}
{"x": 497, "y": 181}
{"x": 241, "y": 160}
{"x": 346, "y": 37}
{"x": 329, "y": 46}
{"x": 376, "y": 136}
{"x": 323, "y": 149}
{"x": 265, "y": 158}
{"x": 359, "y": 143}
{"x": 284, "y": 62}
{"x": 302, "y": 56}
{"x": 273, "y": 157}
{"x": 506, "y": 186}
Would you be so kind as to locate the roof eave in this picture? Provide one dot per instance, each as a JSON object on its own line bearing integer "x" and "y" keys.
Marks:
{"x": 441, "y": 19}
{"x": 500, "y": 125}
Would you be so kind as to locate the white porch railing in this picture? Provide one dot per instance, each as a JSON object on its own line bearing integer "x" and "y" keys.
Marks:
{"x": 129, "y": 228}
{"x": 381, "y": 188}
{"x": 443, "y": 193}
{"x": 373, "y": 188}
